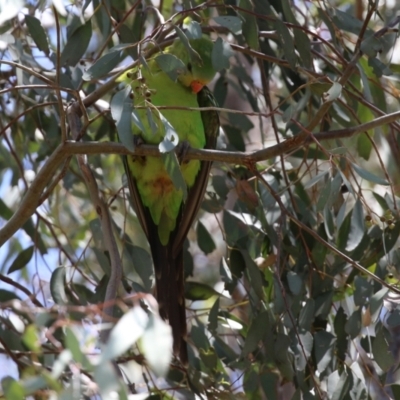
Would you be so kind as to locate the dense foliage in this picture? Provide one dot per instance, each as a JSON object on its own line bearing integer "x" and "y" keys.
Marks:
{"x": 293, "y": 263}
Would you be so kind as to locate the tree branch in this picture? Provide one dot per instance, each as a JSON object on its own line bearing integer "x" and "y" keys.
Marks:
{"x": 31, "y": 200}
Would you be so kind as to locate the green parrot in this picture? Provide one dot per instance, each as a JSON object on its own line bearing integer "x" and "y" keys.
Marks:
{"x": 165, "y": 215}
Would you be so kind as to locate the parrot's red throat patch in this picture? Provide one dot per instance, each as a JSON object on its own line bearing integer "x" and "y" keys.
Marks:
{"x": 196, "y": 86}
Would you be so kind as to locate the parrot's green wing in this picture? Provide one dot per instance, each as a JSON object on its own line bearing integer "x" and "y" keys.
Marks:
{"x": 211, "y": 125}
{"x": 168, "y": 260}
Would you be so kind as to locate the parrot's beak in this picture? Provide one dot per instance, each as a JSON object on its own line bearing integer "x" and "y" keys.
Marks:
{"x": 196, "y": 86}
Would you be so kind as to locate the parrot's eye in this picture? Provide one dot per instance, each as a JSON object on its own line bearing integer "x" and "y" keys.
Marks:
{"x": 189, "y": 67}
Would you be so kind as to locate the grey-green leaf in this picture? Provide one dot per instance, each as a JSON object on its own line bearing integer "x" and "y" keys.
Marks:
{"x": 122, "y": 112}
{"x": 22, "y": 259}
{"x": 171, "y": 65}
{"x": 77, "y": 45}
{"x": 369, "y": 176}
{"x": 103, "y": 65}
{"x": 38, "y": 34}
{"x": 57, "y": 286}
{"x": 204, "y": 239}
{"x": 199, "y": 291}
{"x": 220, "y": 55}
{"x": 381, "y": 351}
{"x": 234, "y": 24}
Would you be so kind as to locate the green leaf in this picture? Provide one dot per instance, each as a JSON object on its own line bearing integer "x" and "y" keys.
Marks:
{"x": 103, "y": 260}
{"x": 171, "y": 65}
{"x": 341, "y": 335}
{"x": 303, "y": 350}
{"x": 5, "y": 295}
{"x": 323, "y": 347}
{"x": 344, "y": 229}
{"x": 209, "y": 358}
{"x": 31, "y": 338}
{"x": 234, "y": 24}
{"x": 193, "y": 54}
{"x": 200, "y": 337}
{"x": 141, "y": 261}
{"x": 121, "y": 111}
{"x": 250, "y": 26}
{"x": 199, "y": 291}
{"x": 309, "y": 184}
{"x": 57, "y": 286}
{"x": 193, "y": 30}
{"x": 344, "y": 20}
{"x": 150, "y": 119}
{"x": 286, "y": 42}
{"x": 224, "y": 351}
{"x": 103, "y": 65}
{"x": 269, "y": 380}
{"x": 295, "y": 282}
{"x": 5, "y": 212}
{"x": 364, "y": 143}
{"x": 22, "y": 260}
{"x": 303, "y": 45}
{"x": 13, "y": 390}
{"x": 213, "y": 317}
{"x": 259, "y": 327}
{"x": 357, "y": 226}
{"x": 369, "y": 176}
{"x": 306, "y": 316}
{"x": 241, "y": 121}
{"x": 324, "y": 195}
{"x": 393, "y": 320}
{"x": 381, "y": 201}
{"x": 334, "y": 92}
{"x": 363, "y": 291}
{"x": 235, "y": 137}
{"x": 281, "y": 356}
{"x": 353, "y": 324}
{"x": 204, "y": 239}
{"x": 323, "y": 304}
{"x": 220, "y": 55}
{"x": 31, "y": 230}
{"x": 105, "y": 376}
{"x": 220, "y": 90}
{"x": 156, "y": 344}
{"x": 395, "y": 390}
{"x": 126, "y": 333}
{"x": 97, "y": 232}
{"x": 381, "y": 351}
{"x": 342, "y": 386}
{"x": 34, "y": 384}
{"x": 77, "y": 45}
{"x": 38, "y": 34}
{"x": 371, "y": 46}
{"x": 61, "y": 363}
{"x": 376, "y": 301}
{"x": 254, "y": 274}
{"x": 379, "y": 67}
{"x": 171, "y": 137}
{"x": 336, "y": 185}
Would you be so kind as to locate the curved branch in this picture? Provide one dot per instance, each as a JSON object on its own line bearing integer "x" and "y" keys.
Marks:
{"x": 32, "y": 197}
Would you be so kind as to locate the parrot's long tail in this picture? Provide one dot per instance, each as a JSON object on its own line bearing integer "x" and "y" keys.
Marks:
{"x": 170, "y": 292}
